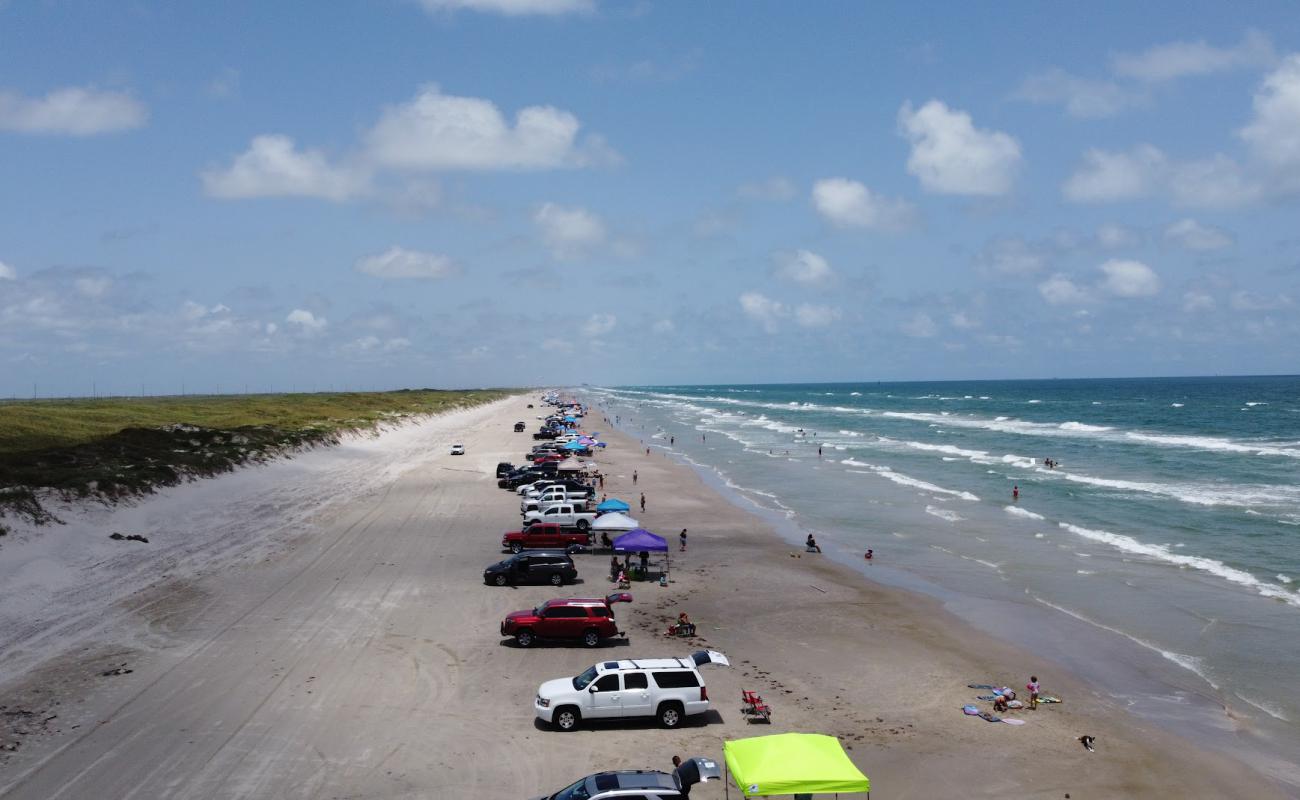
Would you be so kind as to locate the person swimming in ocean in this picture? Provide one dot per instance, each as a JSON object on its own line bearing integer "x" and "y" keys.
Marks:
{"x": 1015, "y": 492}
{"x": 870, "y": 554}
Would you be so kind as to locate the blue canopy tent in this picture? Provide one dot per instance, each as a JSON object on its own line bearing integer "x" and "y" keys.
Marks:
{"x": 574, "y": 446}
{"x": 641, "y": 540}
{"x": 613, "y": 504}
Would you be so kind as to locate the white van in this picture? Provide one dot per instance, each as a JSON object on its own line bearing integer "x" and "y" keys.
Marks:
{"x": 668, "y": 689}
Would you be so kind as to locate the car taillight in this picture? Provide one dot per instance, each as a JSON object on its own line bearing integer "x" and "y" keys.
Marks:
{"x": 704, "y": 693}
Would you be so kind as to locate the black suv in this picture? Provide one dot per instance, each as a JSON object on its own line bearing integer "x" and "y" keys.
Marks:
{"x": 504, "y": 468}
{"x": 539, "y": 566}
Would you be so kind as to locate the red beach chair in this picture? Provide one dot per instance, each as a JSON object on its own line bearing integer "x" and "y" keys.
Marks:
{"x": 753, "y": 707}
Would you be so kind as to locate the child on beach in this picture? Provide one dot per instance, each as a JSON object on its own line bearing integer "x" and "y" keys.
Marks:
{"x": 1032, "y": 686}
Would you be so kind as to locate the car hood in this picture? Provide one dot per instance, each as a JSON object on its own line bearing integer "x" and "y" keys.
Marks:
{"x": 515, "y": 616}
{"x": 555, "y": 688}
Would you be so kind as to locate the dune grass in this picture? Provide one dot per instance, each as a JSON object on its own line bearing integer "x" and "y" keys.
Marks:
{"x": 115, "y": 447}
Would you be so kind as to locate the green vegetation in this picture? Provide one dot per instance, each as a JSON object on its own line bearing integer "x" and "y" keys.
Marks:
{"x": 118, "y": 447}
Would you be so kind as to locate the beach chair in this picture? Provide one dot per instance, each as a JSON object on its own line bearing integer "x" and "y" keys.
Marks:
{"x": 753, "y": 707}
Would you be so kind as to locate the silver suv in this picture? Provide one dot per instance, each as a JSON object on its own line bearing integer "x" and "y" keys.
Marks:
{"x": 640, "y": 784}
{"x": 669, "y": 689}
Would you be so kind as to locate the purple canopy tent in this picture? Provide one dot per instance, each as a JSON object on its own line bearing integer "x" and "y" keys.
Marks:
{"x": 640, "y": 539}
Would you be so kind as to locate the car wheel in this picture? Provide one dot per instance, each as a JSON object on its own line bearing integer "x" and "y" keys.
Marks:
{"x": 500, "y": 580}
{"x": 567, "y": 718}
{"x": 525, "y": 638}
{"x": 516, "y": 547}
{"x": 583, "y": 525}
{"x": 557, "y": 579}
{"x": 670, "y": 715}
{"x": 590, "y": 637}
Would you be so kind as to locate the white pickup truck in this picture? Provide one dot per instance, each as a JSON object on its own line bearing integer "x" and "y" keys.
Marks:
{"x": 566, "y": 515}
{"x": 560, "y": 492}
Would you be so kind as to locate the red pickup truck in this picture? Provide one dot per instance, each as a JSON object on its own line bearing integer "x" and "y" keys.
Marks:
{"x": 544, "y": 535}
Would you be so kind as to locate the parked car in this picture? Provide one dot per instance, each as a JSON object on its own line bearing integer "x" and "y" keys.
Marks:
{"x": 558, "y": 491}
{"x": 586, "y": 620}
{"x": 567, "y": 515}
{"x": 545, "y": 433}
{"x": 668, "y": 689}
{"x": 538, "y": 566}
{"x": 641, "y": 784}
{"x": 520, "y": 427}
{"x": 544, "y": 536}
{"x": 458, "y": 449}
{"x": 529, "y": 474}
{"x": 504, "y": 468}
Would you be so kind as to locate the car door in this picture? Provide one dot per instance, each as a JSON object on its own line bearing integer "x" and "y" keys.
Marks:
{"x": 636, "y": 695}
{"x": 604, "y": 697}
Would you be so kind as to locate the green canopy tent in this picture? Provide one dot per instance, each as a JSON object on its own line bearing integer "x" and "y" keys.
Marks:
{"x": 792, "y": 763}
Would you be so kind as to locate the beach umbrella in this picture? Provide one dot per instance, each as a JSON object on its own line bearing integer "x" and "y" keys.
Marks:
{"x": 614, "y": 522}
{"x": 574, "y": 446}
{"x": 614, "y": 504}
{"x": 792, "y": 763}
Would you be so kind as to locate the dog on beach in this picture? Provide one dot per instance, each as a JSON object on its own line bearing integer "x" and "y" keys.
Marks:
{"x": 1087, "y": 742}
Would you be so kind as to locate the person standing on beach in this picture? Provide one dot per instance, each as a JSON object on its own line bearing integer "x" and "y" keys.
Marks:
{"x": 672, "y": 440}
{"x": 1032, "y": 686}
{"x": 634, "y": 477}
{"x": 643, "y": 502}
{"x": 682, "y": 536}
{"x": 819, "y": 451}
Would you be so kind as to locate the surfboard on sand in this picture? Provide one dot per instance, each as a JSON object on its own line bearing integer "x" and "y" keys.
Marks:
{"x": 1014, "y": 721}
{"x": 1043, "y": 699}
{"x": 987, "y": 717}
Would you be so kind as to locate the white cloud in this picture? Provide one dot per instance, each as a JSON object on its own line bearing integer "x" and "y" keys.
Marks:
{"x": 1194, "y": 301}
{"x": 1014, "y": 256}
{"x": 1127, "y": 278}
{"x": 1082, "y": 98}
{"x": 438, "y": 131}
{"x": 951, "y": 156}
{"x": 1242, "y": 300}
{"x": 762, "y": 309}
{"x": 1192, "y": 235}
{"x": 920, "y": 326}
{"x": 306, "y": 321}
{"x": 1059, "y": 290}
{"x": 1112, "y": 236}
{"x": 72, "y": 111}
{"x": 663, "y": 326}
{"x": 599, "y": 324}
{"x": 770, "y": 189}
{"x": 93, "y": 287}
{"x": 1145, "y": 171}
{"x": 273, "y": 167}
{"x": 398, "y": 262}
{"x": 809, "y": 315}
{"x": 569, "y": 232}
{"x": 512, "y": 8}
{"x": 1274, "y": 133}
{"x": 804, "y": 266}
{"x": 1174, "y": 60}
{"x": 849, "y": 204}
{"x": 7, "y": 273}
{"x": 963, "y": 321}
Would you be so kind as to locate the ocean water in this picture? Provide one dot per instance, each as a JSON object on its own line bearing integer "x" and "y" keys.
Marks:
{"x": 1159, "y": 559}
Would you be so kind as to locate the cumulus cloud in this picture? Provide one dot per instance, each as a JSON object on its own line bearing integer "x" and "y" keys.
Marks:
{"x": 850, "y": 204}
{"x": 770, "y": 189}
{"x": 951, "y": 156}
{"x": 762, "y": 309}
{"x": 1011, "y": 255}
{"x": 398, "y": 262}
{"x": 436, "y": 131}
{"x": 809, "y": 315}
{"x": 511, "y": 8}
{"x": 1196, "y": 301}
{"x": 804, "y": 266}
{"x": 1145, "y": 171}
{"x": 7, "y": 273}
{"x": 1192, "y": 235}
{"x": 1081, "y": 97}
{"x": 1174, "y": 60}
{"x": 306, "y": 321}
{"x": 273, "y": 166}
{"x": 599, "y": 324}
{"x": 920, "y": 326}
{"x": 1273, "y": 135}
{"x": 1112, "y": 236}
{"x": 72, "y": 111}
{"x": 1059, "y": 290}
{"x": 1127, "y": 278}
{"x": 569, "y": 232}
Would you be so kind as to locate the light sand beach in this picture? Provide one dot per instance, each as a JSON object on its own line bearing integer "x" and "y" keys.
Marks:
{"x": 359, "y": 656}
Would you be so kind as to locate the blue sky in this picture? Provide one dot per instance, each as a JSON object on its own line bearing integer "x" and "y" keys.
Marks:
{"x": 506, "y": 192}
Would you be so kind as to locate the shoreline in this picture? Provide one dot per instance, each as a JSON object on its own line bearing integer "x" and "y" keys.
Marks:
{"x": 933, "y": 612}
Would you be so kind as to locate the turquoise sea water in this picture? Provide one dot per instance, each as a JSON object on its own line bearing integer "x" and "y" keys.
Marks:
{"x": 1158, "y": 559}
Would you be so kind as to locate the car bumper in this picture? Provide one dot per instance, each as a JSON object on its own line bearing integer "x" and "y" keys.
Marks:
{"x": 543, "y": 712}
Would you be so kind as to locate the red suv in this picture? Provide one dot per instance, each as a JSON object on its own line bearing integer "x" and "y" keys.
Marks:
{"x": 587, "y": 620}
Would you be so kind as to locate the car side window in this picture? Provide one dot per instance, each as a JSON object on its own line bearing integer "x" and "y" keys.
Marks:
{"x": 608, "y": 683}
{"x": 564, "y": 612}
{"x": 635, "y": 680}
{"x": 676, "y": 679}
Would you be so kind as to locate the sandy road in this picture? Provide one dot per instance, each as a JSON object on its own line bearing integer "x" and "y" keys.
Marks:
{"x": 365, "y": 664}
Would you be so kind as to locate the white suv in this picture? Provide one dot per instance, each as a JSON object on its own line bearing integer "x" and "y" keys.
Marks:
{"x": 668, "y": 689}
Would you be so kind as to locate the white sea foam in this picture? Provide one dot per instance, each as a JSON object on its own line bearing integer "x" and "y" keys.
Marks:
{"x": 1020, "y": 512}
{"x": 947, "y": 448}
{"x": 1268, "y": 708}
{"x": 1084, "y": 572}
{"x": 1158, "y": 552}
{"x": 850, "y": 433}
{"x": 943, "y": 513}
{"x": 1201, "y": 495}
{"x": 907, "y": 480}
{"x": 855, "y": 394}
{"x": 1176, "y": 405}
{"x": 1256, "y": 403}
{"x": 1283, "y": 578}
{"x": 1083, "y": 427}
{"x": 1032, "y": 402}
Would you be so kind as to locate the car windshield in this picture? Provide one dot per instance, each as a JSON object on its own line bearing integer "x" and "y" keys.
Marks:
{"x": 581, "y": 681}
{"x": 577, "y": 791}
